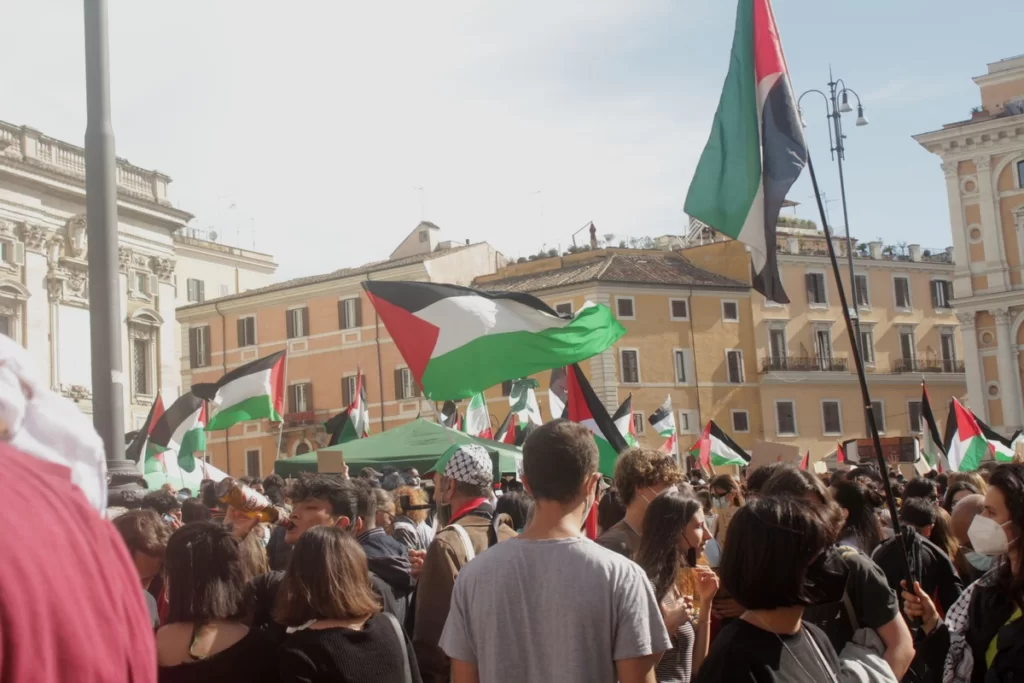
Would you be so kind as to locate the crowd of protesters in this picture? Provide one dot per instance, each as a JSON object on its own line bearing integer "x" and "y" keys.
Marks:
{"x": 781, "y": 575}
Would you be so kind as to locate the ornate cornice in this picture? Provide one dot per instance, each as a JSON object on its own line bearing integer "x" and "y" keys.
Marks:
{"x": 77, "y": 237}
{"x": 35, "y": 237}
{"x": 76, "y": 392}
{"x": 983, "y": 163}
{"x": 124, "y": 258}
{"x": 966, "y": 320}
{"x": 950, "y": 168}
{"x": 163, "y": 267}
{"x": 1002, "y": 316}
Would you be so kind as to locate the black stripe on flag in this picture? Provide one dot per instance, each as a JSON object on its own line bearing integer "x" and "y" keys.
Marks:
{"x": 415, "y": 296}
{"x": 596, "y": 410}
{"x": 717, "y": 433}
{"x": 335, "y": 426}
{"x": 208, "y": 391}
{"x": 625, "y": 409}
{"x": 186, "y": 405}
{"x": 929, "y": 419}
{"x": 658, "y": 415}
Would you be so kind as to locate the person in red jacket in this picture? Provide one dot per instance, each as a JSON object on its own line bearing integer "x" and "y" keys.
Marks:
{"x": 70, "y": 604}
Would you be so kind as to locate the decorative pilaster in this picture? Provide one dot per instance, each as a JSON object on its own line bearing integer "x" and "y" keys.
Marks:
{"x": 962, "y": 287}
{"x": 972, "y": 365}
{"x": 995, "y": 251}
{"x": 1009, "y": 375}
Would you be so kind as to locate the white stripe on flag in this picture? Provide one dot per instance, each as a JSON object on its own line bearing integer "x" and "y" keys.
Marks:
{"x": 461, "y": 319}
{"x": 242, "y": 388}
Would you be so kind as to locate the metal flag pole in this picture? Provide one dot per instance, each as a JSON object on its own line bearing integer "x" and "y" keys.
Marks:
{"x": 862, "y": 379}
{"x": 280, "y": 428}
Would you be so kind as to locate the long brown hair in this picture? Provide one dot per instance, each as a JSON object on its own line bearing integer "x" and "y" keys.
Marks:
{"x": 327, "y": 578}
{"x": 665, "y": 521}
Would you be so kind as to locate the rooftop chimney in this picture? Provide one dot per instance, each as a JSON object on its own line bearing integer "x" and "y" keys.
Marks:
{"x": 875, "y": 249}
{"x": 915, "y": 252}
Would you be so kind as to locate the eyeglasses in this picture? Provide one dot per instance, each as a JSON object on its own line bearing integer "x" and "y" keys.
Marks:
{"x": 388, "y": 517}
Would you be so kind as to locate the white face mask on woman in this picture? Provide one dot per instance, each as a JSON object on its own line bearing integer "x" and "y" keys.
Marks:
{"x": 987, "y": 536}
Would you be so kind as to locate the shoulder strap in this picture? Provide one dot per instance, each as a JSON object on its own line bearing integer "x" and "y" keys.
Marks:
{"x": 464, "y": 536}
{"x": 821, "y": 658}
{"x": 397, "y": 628}
{"x": 846, "y": 552}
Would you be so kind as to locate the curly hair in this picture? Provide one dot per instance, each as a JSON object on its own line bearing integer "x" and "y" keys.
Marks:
{"x": 639, "y": 468}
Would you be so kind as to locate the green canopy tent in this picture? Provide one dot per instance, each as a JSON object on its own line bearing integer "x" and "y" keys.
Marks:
{"x": 418, "y": 444}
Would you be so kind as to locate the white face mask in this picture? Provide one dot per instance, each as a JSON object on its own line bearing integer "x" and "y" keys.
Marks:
{"x": 987, "y": 536}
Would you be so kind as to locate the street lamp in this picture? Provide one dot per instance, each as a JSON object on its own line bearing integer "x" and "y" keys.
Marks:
{"x": 837, "y": 103}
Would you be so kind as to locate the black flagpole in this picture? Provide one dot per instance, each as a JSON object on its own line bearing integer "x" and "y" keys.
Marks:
{"x": 862, "y": 378}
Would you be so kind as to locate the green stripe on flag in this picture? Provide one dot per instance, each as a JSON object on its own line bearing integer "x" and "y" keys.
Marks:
{"x": 254, "y": 408}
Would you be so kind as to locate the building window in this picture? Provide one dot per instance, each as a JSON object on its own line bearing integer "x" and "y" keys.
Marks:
{"x": 564, "y": 308}
{"x": 196, "y": 290}
{"x": 424, "y": 236}
{"x": 348, "y": 389}
{"x": 867, "y": 346}
{"x": 734, "y": 366}
{"x": 252, "y": 463}
{"x": 630, "y": 361}
{"x": 823, "y": 348}
{"x": 140, "y": 282}
{"x": 405, "y": 384}
{"x": 247, "y": 331}
{"x": 1020, "y": 174}
{"x": 624, "y": 307}
{"x": 730, "y": 311}
{"x": 679, "y": 360}
{"x": 831, "y": 418}
{"x": 506, "y": 388}
{"x": 947, "y": 344}
{"x": 300, "y": 398}
{"x": 901, "y": 284}
{"x": 639, "y": 423}
{"x": 878, "y": 408}
{"x": 861, "y": 291}
{"x": 298, "y": 322}
{"x": 740, "y": 421}
{"x": 199, "y": 347}
{"x": 914, "y": 413}
{"x": 687, "y": 422}
{"x": 908, "y": 349}
{"x": 777, "y": 345}
{"x": 679, "y": 309}
{"x": 817, "y": 294}
{"x": 785, "y": 418}
{"x": 942, "y": 294}
{"x": 12, "y": 253}
{"x": 350, "y": 313}
{"x": 6, "y": 325}
{"x": 142, "y": 381}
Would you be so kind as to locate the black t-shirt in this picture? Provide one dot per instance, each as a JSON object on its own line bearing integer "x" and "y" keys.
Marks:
{"x": 874, "y": 603}
{"x": 930, "y": 564}
{"x": 252, "y": 659}
{"x": 743, "y": 653}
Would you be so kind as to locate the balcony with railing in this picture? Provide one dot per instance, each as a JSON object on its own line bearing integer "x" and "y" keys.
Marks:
{"x": 804, "y": 364}
{"x": 29, "y": 145}
{"x": 931, "y": 365}
{"x": 306, "y": 417}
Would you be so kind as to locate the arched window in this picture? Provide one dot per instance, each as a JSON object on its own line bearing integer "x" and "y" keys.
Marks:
{"x": 143, "y": 335}
{"x": 1020, "y": 174}
{"x": 13, "y": 296}
{"x": 302, "y": 447}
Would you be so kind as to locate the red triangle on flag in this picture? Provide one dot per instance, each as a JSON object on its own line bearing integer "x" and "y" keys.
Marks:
{"x": 805, "y": 461}
{"x": 158, "y": 411}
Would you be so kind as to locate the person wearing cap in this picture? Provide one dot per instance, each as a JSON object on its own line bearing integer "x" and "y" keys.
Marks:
{"x": 463, "y": 479}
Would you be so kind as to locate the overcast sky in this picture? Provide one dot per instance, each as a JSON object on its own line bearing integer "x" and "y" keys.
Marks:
{"x": 317, "y": 122}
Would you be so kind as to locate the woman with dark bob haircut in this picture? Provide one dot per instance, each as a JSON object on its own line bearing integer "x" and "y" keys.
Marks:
{"x": 205, "y": 638}
{"x": 767, "y": 574}
{"x": 336, "y": 629}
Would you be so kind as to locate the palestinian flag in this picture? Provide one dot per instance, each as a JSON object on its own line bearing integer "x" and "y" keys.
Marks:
{"x": 507, "y": 431}
{"x": 716, "y": 449}
{"x": 756, "y": 149}
{"x": 586, "y": 409}
{"x": 933, "y": 450}
{"x": 458, "y": 341}
{"x": 1002, "y": 448}
{"x": 340, "y": 429}
{"x": 354, "y": 421}
{"x": 450, "y": 416}
{"x": 664, "y": 422}
{"x": 805, "y": 462}
{"x": 557, "y": 393}
{"x": 623, "y": 419}
{"x": 249, "y": 392}
{"x": 137, "y": 446}
{"x": 180, "y": 429}
{"x": 478, "y": 420}
{"x": 966, "y": 446}
{"x": 523, "y": 400}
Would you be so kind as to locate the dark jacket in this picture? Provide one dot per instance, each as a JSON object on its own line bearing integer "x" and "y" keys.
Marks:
{"x": 931, "y": 565}
{"x": 279, "y": 553}
{"x": 389, "y": 560}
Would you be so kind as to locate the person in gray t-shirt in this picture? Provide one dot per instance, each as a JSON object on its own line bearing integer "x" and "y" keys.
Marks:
{"x": 551, "y": 604}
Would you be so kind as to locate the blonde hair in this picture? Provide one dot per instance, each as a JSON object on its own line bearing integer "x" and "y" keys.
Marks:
{"x": 417, "y": 496}
{"x": 972, "y": 478}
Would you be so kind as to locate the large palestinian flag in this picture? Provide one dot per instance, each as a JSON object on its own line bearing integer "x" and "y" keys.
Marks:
{"x": 664, "y": 422}
{"x": 966, "y": 446}
{"x": 756, "y": 150}
{"x": 714, "y": 448}
{"x": 249, "y": 392}
{"x": 137, "y": 447}
{"x": 586, "y": 409}
{"x": 458, "y": 341}
{"x": 180, "y": 429}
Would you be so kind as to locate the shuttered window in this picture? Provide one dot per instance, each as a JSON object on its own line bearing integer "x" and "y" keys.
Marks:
{"x": 350, "y": 314}
{"x": 630, "y": 366}
{"x": 199, "y": 347}
{"x": 405, "y": 384}
{"x": 247, "y": 331}
{"x": 297, "y": 320}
